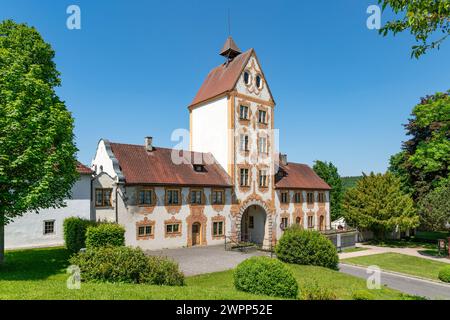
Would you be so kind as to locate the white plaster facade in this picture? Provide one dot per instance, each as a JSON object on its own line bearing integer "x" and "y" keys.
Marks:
{"x": 28, "y": 231}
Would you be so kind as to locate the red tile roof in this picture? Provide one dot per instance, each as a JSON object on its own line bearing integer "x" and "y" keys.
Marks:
{"x": 300, "y": 176}
{"x": 82, "y": 169}
{"x": 222, "y": 78}
{"x": 157, "y": 168}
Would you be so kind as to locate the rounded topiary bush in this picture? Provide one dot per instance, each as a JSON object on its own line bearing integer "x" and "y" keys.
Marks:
{"x": 126, "y": 265}
{"x": 265, "y": 276}
{"x": 444, "y": 274}
{"x": 306, "y": 247}
{"x": 105, "y": 234}
{"x": 75, "y": 233}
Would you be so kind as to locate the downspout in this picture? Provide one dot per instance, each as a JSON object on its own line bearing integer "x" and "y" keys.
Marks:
{"x": 117, "y": 203}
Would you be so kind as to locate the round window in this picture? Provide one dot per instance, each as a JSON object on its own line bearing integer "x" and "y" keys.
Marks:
{"x": 258, "y": 81}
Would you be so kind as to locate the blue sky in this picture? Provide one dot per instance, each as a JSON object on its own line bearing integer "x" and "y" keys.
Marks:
{"x": 342, "y": 91}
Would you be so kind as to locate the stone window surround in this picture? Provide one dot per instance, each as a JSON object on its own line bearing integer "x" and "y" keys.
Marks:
{"x": 144, "y": 223}
{"x": 173, "y": 221}
{"x": 216, "y": 219}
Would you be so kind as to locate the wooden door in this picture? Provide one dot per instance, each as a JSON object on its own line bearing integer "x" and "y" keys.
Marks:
{"x": 196, "y": 238}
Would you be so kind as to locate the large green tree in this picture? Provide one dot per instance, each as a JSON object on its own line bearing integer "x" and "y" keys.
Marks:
{"x": 329, "y": 173}
{"x": 424, "y": 19}
{"x": 377, "y": 203}
{"x": 425, "y": 159}
{"x": 434, "y": 208}
{"x": 37, "y": 151}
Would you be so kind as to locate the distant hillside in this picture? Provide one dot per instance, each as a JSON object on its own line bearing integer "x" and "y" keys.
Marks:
{"x": 349, "y": 182}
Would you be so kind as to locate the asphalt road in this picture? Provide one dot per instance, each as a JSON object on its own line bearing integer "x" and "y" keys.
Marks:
{"x": 414, "y": 286}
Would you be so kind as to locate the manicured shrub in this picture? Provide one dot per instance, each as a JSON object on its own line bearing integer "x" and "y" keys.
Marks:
{"x": 105, "y": 234}
{"x": 444, "y": 274}
{"x": 306, "y": 247}
{"x": 362, "y": 295}
{"x": 75, "y": 233}
{"x": 312, "y": 291}
{"x": 265, "y": 276}
{"x": 126, "y": 265}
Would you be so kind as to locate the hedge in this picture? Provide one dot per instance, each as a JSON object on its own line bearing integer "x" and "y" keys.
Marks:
{"x": 75, "y": 233}
{"x": 126, "y": 265}
{"x": 105, "y": 234}
{"x": 304, "y": 247}
{"x": 265, "y": 276}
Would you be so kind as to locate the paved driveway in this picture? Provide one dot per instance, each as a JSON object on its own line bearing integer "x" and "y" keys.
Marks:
{"x": 415, "y": 286}
{"x": 200, "y": 260}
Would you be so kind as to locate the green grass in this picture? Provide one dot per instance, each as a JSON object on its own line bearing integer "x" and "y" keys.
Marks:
{"x": 401, "y": 263}
{"x": 40, "y": 274}
{"x": 355, "y": 249}
{"x": 403, "y": 243}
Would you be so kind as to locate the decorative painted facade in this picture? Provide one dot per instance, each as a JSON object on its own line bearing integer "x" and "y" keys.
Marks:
{"x": 234, "y": 182}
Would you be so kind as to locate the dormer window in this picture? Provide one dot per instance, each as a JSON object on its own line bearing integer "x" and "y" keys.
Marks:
{"x": 199, "y": 168}
{"x": 246, "y": 78}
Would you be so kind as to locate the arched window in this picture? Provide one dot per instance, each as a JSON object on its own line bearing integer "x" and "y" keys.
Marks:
{"x": 298, "y": 220}
{"x": 246, "y": 77}
{"x": 258, "y": 82}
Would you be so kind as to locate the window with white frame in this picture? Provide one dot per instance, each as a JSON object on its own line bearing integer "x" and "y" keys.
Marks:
{"x": 218, "y": 197}
{"x": 244, "y": 142}
{"x": 145, "y": 231}
{"x": 196, "y": 197}
{"x": 262, "y": 117}
{"x": 262, "y": 145}
{"x": 49, "y": 227}
{"x": 244, "y": 178}
{"x": 173, "y": 196}
{"x": 173, "y": 228}
{"x": 243, "y": 113}
{"x": 145, "y": 197}
{"x": 263, "y": 180}
{"x": 218, "y": 228}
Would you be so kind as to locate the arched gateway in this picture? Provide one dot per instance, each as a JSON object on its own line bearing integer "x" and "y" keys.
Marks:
{"x": 254, "y": 224}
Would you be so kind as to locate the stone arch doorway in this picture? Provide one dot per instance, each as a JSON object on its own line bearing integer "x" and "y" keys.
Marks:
{"x": 196, "y": 234}
{"x": 254, "y": 224}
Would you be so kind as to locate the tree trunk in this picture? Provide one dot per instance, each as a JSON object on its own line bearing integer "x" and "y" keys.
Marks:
{"x": 2, "y": 239}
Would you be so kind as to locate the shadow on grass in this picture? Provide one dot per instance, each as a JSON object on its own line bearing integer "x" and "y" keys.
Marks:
{"x": 432, "y": 253}
{"x": 36, "y": 264}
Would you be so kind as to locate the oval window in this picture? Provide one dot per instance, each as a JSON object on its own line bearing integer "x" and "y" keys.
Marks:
{"x": 246, "y": 78}
{"x": 258, "y": 81}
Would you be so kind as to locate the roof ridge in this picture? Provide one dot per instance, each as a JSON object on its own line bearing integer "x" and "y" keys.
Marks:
{"x": 160, "y": 148}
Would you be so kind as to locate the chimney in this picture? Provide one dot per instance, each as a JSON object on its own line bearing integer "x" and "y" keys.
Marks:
{"x": 283, "y": 159}
{"x": 149, "y": 144}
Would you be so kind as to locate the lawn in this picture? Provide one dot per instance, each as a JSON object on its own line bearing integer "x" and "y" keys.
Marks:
{"x": 355, "y": 249}
{"x": 40, "y": 274}
{"x": 411, "y": 265}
